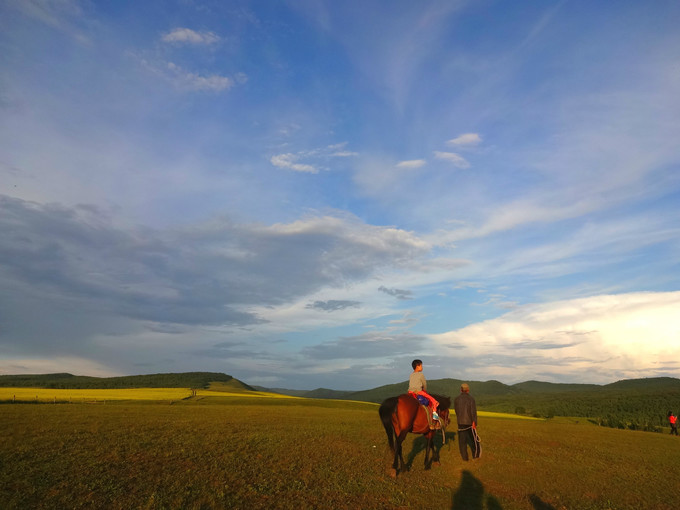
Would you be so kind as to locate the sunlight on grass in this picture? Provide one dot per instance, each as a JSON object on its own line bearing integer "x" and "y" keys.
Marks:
{"x": 235, "y": 451}
{"x": 244, "y": 393}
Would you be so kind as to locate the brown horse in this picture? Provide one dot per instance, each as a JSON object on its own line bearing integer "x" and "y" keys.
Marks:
{"x": 403, "y": 414}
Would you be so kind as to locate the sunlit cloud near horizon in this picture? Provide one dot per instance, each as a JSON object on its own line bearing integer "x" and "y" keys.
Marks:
{"x": 287, "y": 194}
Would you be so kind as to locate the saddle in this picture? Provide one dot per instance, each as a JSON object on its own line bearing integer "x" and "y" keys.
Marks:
{"x": 434, "y": 424}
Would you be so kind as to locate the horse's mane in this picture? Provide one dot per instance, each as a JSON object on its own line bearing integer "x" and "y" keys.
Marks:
{"x": 444, "y": 402}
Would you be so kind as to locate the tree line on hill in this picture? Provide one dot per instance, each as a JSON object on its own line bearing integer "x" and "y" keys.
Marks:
{"x": 617, "y": 409}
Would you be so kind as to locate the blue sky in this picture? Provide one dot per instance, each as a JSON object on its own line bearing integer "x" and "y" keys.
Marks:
{"x": 312, "y": 194}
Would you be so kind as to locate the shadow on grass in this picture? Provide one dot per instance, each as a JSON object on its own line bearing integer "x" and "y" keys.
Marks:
{"x": 420, "y": 443}
{"x": 539, "y": 504}
{"x": 471, "y": 496}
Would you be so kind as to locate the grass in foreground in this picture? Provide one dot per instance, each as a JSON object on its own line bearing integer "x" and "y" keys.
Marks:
{"x": 220, "y": 452}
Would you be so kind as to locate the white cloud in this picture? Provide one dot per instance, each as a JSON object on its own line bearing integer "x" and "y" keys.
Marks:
{"x": 466, "y": 140}
{"x": 189, "y": 81}
{"x": 630, "y": 335}
{"x": 453, "y": 158}
{"x": 412, "y": 163}
{"x": 288, "y": 161}
{"x": 186, "y": 35}
{"x": 194, "y": 81}
{"x": 214, "y": 82}
{"x": 62, "y": 15}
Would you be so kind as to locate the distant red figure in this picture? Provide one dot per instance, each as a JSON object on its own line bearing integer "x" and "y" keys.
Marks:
{"x": 673, "y": 420}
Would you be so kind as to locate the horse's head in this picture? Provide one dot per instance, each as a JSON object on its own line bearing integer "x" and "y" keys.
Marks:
{"x": 444, "y": 402}
{"x": 444, "y": 408}
{"x": 443, "y": 416}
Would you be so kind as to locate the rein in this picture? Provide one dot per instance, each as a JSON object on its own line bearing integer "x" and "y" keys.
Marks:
{"x": 474, "y": 433}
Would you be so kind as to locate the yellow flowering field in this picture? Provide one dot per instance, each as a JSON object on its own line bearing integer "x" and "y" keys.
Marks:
{"x": 490, "y": 414}
{"x": 91, "y": 395}
{"x": 102, "y": 395}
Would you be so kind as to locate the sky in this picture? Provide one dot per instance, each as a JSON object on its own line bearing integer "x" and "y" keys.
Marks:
{"x": 312, "y": 194}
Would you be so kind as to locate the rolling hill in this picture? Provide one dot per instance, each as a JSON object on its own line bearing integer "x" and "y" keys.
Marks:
{"x": 633, "y": 403}
{"x": 169, "y": 380}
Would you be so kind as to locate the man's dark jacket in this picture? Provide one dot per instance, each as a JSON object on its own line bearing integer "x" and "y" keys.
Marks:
{"x": 466, "y": 409}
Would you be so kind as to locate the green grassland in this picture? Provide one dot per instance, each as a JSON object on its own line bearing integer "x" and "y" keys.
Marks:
{"x": 636, "y": 404}
{"x": 225, "y": 449}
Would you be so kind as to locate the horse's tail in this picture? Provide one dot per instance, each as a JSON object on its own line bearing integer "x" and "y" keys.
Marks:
{"x": 387, "y": 409}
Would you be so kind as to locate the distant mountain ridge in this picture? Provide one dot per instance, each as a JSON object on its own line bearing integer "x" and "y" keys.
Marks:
{"x": 483, "y": 390}
{"x": 166, "y": 380}
{"x": 450, "y": 387}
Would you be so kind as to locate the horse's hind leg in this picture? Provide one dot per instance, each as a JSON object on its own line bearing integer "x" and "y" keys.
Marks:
{"x": 428, "y": 448}
{"x": 398, "y": 456}
{"x": 395, "y": 461}
{"x": 402, "y": 438}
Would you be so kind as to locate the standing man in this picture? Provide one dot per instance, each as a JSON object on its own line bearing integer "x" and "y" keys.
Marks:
{"x": 466, "y": 416}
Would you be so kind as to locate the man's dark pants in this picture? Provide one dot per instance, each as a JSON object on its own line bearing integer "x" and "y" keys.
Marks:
{"x": 466, "y": 437}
